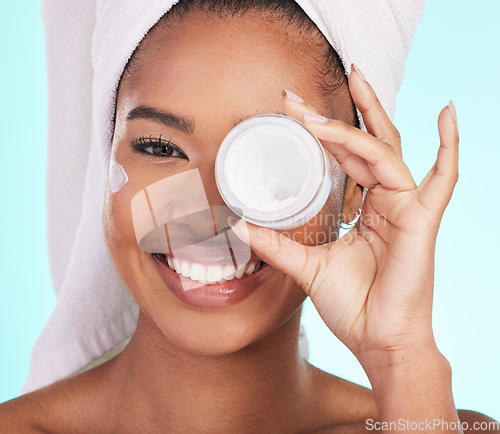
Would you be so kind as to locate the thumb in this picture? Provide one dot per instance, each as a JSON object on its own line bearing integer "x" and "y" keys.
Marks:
{"x": 279, "y": 251}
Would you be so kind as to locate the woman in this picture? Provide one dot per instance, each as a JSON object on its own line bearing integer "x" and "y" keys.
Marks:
{"x": 192, "y": 368}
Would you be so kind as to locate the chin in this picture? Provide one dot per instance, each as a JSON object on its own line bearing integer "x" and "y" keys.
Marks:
{"x": 220, "y": 336}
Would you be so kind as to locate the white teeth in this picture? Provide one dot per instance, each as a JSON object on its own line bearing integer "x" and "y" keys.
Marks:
{"x": 185, "y": 268}
{"x": 228, "y": 272}
{"x": 239, "y": 273}
{"x": 212, "y": 273}
{"x": 199, "y": 272}
{"x": 249, "y": 269}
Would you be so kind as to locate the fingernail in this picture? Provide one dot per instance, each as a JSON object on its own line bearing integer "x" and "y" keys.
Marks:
{"x": 232, "y": 223}
{"x": 360, "y": 73}
{"x": 453, "y": 111}
{"x": 314, "y": 118}
{"x": 292, "y": 96}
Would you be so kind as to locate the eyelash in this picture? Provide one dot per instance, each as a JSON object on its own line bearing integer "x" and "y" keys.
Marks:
{"x": 142, "y": 143}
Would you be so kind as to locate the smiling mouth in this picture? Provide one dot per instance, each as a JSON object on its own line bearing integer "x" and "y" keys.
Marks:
{"x": 210, "y": 274}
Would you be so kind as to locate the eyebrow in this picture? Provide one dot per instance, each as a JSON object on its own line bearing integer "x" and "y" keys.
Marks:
{"x": 163, "y": 117}
{"x": 169, "y": 119}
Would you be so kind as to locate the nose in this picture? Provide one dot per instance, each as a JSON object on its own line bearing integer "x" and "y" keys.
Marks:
{"x": 213, "y": 219}
{"x": 207, "y": 174}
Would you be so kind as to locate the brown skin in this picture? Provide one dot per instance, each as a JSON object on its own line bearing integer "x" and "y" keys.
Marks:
{"x": 235, "y": 369}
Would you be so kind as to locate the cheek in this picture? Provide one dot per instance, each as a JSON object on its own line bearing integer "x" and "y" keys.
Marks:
{"x": 120, "y": 237}
{"x": 118, "y": 225}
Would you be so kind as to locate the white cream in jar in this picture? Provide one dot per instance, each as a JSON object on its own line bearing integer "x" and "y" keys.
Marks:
{"x": 272, "y": 171}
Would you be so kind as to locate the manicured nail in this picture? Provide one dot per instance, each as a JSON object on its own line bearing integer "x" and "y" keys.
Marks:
{"x": 233, "y": 222}
{"x": 453, "y": 111}
{"x": 314, "y": 119}
{"x": 360, "y": 73}
{"x": 292, "y": 96}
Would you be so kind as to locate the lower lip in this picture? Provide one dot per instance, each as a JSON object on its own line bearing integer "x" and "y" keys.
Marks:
{"x": 223, "y": 294}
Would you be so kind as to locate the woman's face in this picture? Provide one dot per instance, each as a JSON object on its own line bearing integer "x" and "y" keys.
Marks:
{"x": 213, "y": 74}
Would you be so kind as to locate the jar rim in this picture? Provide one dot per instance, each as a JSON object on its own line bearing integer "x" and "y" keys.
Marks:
{"x": 308, "y": 203}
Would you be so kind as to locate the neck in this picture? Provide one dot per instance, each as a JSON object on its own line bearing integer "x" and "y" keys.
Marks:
{"x": 265, "y": 385}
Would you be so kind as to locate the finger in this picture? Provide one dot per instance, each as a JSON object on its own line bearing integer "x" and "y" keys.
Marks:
{"x": 276, "y": 249}
{"x": 436, "y": 188}
{"x": 355, "y": 166}
{"x": 375, "y": 118}
{"x": 295, "y": 106}
{"x": 381, "y": 158}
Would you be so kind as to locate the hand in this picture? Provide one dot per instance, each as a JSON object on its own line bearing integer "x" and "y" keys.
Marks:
{"x": 372, "y": 287}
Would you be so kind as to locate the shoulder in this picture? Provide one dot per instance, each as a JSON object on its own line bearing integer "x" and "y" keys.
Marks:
{"x": 15, "y": 418}
{"x": 345, "y": 406}
{"x": 24, "y": 413}
{"x": 473, "y": 421}
{"x": 59, "y": 408}
{"x": 351, "y": 408}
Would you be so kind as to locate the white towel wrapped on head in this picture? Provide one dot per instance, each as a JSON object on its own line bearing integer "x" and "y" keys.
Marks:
{"x": 94, "y": 312}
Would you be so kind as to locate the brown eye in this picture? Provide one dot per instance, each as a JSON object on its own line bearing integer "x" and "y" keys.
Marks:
{"x": 158, "y": 148}
{"x": 165, "y": 151}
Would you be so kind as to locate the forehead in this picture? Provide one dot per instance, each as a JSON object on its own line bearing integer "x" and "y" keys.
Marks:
{"x": 224, "y": 62}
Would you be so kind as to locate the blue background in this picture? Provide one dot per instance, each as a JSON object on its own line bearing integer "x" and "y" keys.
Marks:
{"x": 454, "y": 55}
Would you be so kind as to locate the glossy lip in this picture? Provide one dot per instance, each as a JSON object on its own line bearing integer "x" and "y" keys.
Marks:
{"x": 219, "y": 295}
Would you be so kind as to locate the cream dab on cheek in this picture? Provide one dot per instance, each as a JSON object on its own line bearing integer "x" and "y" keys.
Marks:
{"x": 272, "y": 171}
{"x": 117, "y": 176}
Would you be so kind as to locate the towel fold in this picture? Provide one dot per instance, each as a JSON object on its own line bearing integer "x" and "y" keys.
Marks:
{"x": 88, "y": 45}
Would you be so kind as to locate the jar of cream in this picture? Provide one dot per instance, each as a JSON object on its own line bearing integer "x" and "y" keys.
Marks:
{"x": 273, "y": 172}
